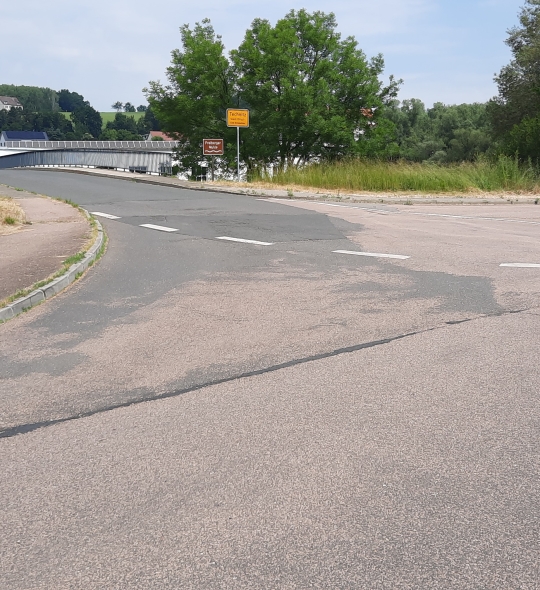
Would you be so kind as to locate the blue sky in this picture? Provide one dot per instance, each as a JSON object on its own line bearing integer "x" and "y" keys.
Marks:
{"x": 445, "y": 50}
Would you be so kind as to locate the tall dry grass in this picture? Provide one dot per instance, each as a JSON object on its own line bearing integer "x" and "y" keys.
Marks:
{"x": 11, "y": 214}
{"x": 505, "y": 174}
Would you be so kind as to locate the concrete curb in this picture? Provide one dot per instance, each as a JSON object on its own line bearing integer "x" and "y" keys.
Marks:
{"x": 262, "y": 193}
{"x": 57, "y": 285}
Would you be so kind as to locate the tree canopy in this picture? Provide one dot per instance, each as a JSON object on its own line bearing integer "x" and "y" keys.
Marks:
{"x": 311, "y": 94}
{"x": 515, "y": 112}
{"x": 70, "y": 101}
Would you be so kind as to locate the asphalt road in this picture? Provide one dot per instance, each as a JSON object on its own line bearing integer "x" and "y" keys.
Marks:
{"x": 206, "y": 413}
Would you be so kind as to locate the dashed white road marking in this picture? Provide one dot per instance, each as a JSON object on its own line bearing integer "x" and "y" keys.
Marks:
{"x": 520, "y": 265}
{"x": 107, "y": 215}
{"x": 245, "y": 241}
{"x": 158, "y": 227}
{"x": 373, "y": 254}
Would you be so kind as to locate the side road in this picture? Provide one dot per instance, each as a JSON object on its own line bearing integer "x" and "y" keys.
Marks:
{"x": 35, "y": 256}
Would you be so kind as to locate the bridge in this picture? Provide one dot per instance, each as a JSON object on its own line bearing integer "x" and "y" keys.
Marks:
{"x": 150, "y": 157}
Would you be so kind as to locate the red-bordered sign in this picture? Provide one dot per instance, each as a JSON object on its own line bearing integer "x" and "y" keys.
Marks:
{"x": 213, "y": 147}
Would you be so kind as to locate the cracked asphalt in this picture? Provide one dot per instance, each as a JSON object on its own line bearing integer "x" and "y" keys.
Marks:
{"x": 204, "y": 414}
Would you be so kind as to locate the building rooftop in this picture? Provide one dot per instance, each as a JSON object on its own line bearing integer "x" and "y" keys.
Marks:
{"x": 25, "y": 136}
{"x": 10, "y": 100}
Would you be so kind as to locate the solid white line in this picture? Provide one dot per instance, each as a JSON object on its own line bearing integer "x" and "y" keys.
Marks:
{"x": 374, "y": 254}
{"x": 474, "y": 218}
{"x": 520, "y": 265}
{"x": 107, "y": 215}
{"x": 158, "y": 227}
{"x": 245, "y": 241}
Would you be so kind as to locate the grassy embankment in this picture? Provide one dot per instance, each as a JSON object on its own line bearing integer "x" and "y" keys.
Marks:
{"x": 503, "y": 175}
{"x": 106, "y": 117}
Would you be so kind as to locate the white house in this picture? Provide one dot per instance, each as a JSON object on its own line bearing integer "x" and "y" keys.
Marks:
{"x": 9, "y": 102}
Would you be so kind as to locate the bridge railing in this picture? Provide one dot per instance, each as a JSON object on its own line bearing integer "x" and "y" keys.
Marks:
{"x": 103, "y": 145}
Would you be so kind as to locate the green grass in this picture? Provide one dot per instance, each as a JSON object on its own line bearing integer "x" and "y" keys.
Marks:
{"x": 10, "y": 220}
{"x": 505, "y": 174}
{"x": 73, "y": 259}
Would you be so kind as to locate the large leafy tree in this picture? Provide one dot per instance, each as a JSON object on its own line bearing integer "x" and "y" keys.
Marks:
{"x": 201, "y": 87}
{"x": 311, "y": 94}
{"x": 87, "y": 121}
{"x": 519, "y": 81}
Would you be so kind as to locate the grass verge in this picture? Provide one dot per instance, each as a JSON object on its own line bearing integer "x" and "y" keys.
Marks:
{"x": 503, "y": 175}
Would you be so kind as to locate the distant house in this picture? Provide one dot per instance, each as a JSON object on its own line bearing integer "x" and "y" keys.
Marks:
{"x": 9, "y": 102}
{"x": 160, "y": 135}
{"x": 22, "y": 136}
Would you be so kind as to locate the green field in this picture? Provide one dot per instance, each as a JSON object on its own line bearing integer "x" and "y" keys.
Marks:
{"x": 504, "y": 174}
{"x": 108, "y": 116}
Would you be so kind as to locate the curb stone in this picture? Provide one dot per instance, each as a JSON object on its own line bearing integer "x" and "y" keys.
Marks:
{"x": 57, "y": 285}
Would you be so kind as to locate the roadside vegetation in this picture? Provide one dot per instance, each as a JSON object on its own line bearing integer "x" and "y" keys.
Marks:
{"x": 322, "y": 116}
{"x": 66, "y": 115}
{"x": 11, "y": 214}
{"x": 505, "y": 174}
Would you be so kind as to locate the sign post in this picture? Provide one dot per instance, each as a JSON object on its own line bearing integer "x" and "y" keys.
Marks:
{"x": 213, "y": 147}
{"x": 237, "y": 118}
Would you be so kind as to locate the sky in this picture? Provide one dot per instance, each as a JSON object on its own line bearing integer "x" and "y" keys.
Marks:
{"x": 445, "y": 50}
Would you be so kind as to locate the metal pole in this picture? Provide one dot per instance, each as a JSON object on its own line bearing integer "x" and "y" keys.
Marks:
{"x": 238, "y": 154}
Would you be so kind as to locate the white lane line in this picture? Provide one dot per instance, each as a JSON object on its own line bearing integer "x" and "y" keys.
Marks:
{"x": 474, "y": 218}
{"x": 520, "y": 265}
{"x": 245, "y": 241}
{"x": 107, "y": 215}
{"x": 158, "y": 227}
{"x": 374, "y": 254}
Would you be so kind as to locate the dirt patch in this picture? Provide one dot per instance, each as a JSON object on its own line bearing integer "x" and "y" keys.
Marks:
{"x": 34, "y": 248}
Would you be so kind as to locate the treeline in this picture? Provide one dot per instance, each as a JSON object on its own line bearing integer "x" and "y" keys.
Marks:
{"x": 315, "y": 97}
{"x": 442, "y": 134}
{"x": 66, "y": 115}
{"x": 84, "y": 123}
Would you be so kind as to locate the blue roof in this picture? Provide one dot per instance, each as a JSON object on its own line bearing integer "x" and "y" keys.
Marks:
{"x": 25, "y": 136}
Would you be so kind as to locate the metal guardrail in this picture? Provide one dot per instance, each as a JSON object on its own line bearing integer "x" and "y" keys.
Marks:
{"x": 141, "y": 160}
{"x": 161, "y": 146}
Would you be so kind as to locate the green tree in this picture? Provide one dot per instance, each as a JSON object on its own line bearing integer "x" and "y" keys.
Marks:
{"x": 307, "y": 88}
{"x": 519, "y": 81}
{"x": 444, "y": 133}
{"x": 70, "y": 101}
{"x": 87, "y": 121}
{"x": 142, "y": 108}
{"x": 118, "y": 106}
{"x": 311, "y": 94}
{"x": 129, "y": 108}
{"x": 125, "y": 127}
{"x": 192, "y": 106}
